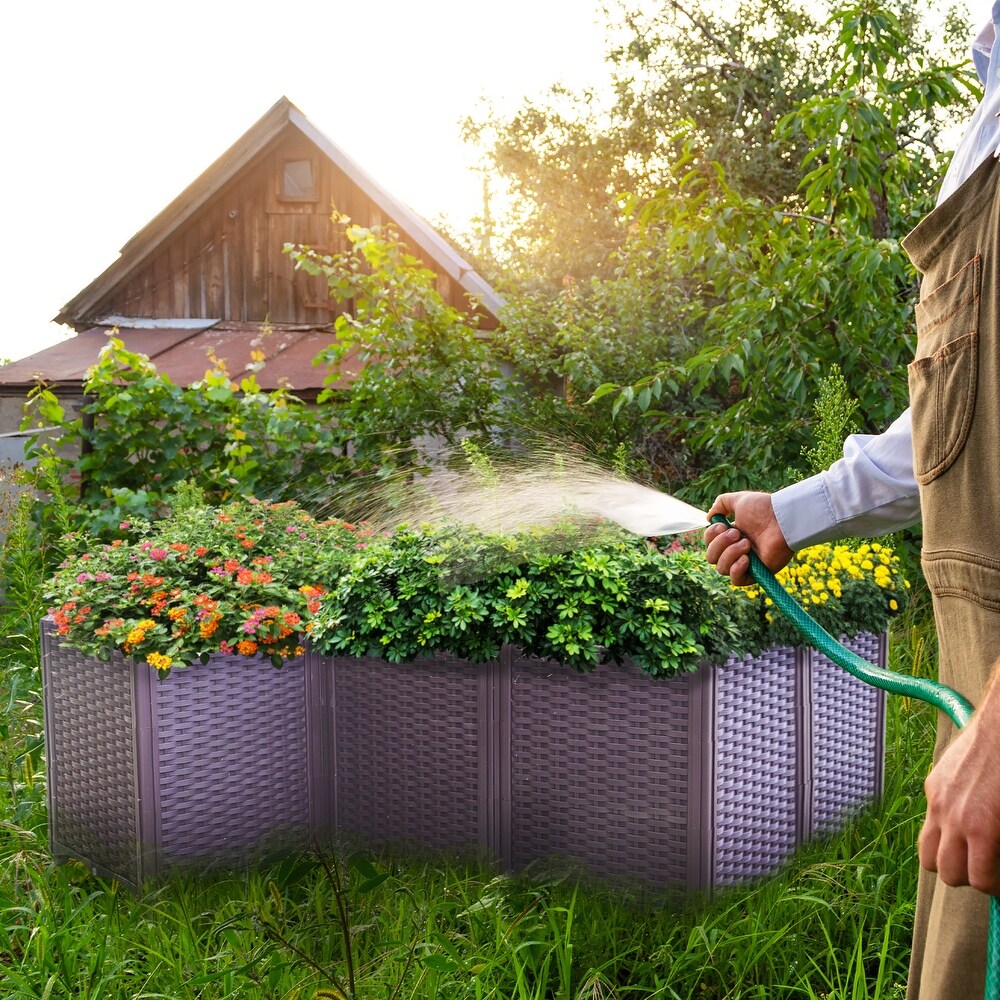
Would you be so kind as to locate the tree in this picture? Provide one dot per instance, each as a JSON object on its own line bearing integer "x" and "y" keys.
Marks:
{"x": 566, "y": 161}
{"x": 774, "y": 163}
{"x": 818, "y": 279}
{"x": 419, "y": 368}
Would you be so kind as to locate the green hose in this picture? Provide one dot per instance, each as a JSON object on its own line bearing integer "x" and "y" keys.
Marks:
{"x": 944, "y": 698}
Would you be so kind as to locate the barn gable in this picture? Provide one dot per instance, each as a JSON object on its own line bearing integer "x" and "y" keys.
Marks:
{"x": 215, "y": 252}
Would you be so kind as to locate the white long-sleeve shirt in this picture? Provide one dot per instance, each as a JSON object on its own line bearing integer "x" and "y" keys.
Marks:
{"x": 872, "y": 490}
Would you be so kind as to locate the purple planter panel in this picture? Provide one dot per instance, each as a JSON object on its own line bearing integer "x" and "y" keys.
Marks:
{"x": 209, "y": 765}
{"x": 605, "y": 769}
{"x": 848, "y": 736}
{"x": 406, "y": 751}
{"x": 759, "y": 727}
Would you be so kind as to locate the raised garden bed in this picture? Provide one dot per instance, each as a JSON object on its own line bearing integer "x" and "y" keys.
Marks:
{"x": 704, "y": 779}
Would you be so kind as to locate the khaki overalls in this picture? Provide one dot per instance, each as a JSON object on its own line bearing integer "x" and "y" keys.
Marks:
{"x": 955, "y": 405}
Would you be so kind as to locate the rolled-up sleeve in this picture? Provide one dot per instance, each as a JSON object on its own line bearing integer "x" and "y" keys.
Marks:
{"x": 868, "y": 492}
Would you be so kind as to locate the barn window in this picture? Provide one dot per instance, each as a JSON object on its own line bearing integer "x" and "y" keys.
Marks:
{"x": 298, "y": 181}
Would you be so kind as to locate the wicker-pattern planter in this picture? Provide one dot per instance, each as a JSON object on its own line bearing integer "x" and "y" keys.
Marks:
{"x": 210, "y": 765}
{"x": 702, "y": 780}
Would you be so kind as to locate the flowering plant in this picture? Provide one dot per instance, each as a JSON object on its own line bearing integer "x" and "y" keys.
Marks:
{"x": 256, "y": 578}
{"x": 847, "y": 588}
{"x": 245, "y": 578}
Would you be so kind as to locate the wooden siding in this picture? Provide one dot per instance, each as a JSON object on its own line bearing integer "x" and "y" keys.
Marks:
{"x": 227, "y": 262}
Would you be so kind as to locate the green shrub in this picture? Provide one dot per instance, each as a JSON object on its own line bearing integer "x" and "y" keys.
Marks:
{"x": 615, "y": 597}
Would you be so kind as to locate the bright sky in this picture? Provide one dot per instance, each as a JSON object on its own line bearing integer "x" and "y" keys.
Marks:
{"x": 113, "y": 107}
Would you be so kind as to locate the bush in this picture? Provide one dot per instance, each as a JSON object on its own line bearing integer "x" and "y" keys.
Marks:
{"x": 618, "y": 597}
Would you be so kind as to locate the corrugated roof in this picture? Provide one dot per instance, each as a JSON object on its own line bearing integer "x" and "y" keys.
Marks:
{"x": 185, "y": 205}
{"x": 184, "y": 355}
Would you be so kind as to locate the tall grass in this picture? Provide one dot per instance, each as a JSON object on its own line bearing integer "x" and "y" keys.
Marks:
{"x": 833, "y": 924}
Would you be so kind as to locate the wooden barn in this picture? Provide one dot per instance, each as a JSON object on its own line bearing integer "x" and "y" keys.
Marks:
{"x": 203, "y": 276}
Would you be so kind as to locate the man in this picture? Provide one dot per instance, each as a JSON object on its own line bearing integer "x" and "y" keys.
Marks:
{"x": 939, "y": 463}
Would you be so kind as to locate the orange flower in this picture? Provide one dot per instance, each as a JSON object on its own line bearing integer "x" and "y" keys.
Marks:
{"x": 207, "y": 628}
{"x": 246, "y": 647}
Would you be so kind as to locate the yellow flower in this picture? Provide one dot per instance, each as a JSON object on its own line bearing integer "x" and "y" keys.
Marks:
{"x": 158, "y": 661}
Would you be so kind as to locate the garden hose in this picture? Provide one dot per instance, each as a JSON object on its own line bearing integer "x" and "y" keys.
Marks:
{"x": 940, "y": 696}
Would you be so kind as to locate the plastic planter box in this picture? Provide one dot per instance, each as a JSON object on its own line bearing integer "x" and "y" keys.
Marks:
{"x": 707, "y": 779}
{"x": 211, "y": 765}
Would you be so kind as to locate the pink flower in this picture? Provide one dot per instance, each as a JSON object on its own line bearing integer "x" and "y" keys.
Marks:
{"x": 125, "y": 525}
{"x": 158, "y": 553}
{"x": 101, "y": 577}
{"x": 84, "y": 578}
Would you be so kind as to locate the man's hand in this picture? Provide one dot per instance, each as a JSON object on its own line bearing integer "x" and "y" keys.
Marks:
{"x": 961, "y": 835}
{"x": 754, "y": 523}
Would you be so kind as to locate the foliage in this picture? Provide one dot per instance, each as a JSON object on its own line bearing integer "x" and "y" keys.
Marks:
{"x": 466, "y": 592}
{"x": 577, "y": 607}
{"x": 565, "y": 159}
{"x": 772, "y": 163}
{"x": 246, "y": 578}
{"x": 23, "y": 557}
{"x": 560, "y": 348}
{"x": 836, "y": 418}
{"x": 418, "y": 367}
{"x": 787, "y": 289}
{"x": 139, "y": 435}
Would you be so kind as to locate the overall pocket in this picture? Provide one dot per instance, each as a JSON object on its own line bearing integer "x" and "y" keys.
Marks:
{"x": 942, "y": 376}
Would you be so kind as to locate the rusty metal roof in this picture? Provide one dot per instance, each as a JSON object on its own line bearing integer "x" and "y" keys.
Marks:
{"x": 185, "y": 354}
